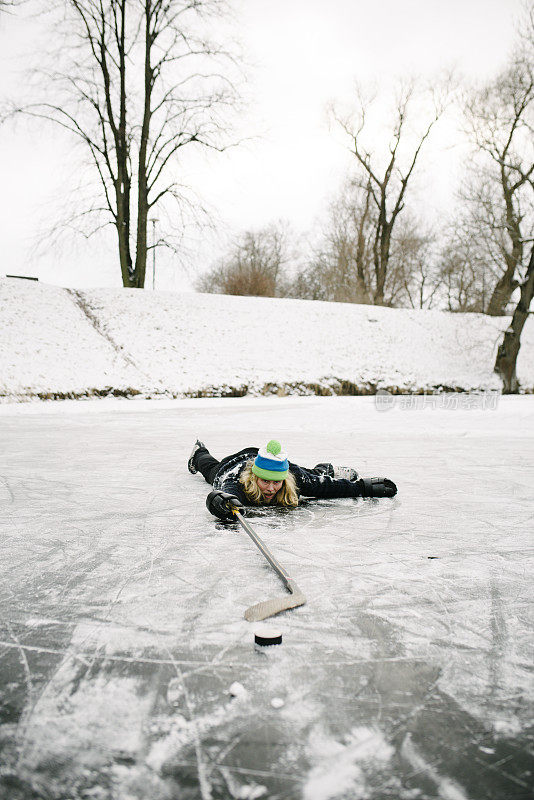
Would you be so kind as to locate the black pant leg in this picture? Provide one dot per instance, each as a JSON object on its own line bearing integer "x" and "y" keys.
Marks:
{"x": 206, "y": 464}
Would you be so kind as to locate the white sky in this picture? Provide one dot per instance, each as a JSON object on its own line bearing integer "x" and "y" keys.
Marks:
{"x": 306, "y": 54}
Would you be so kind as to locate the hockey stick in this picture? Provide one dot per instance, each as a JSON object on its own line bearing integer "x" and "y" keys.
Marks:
{"x": 268, "y": 608}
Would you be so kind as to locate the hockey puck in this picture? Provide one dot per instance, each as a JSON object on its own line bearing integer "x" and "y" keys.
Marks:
{"x": 266, "y": 636}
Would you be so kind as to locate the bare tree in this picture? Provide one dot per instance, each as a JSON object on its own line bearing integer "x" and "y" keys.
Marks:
{"x": 414, "y": 278}
{"x": 460, "y": 281}
{"x": 340, "y": 268}
{"x": 388, "y": 178}
{"x": 502, "y": 124}
{"x": 136, "y": 83}
{"x": 466, "y": 275}
{"x": 505, "y": 363}
{"x": 499, "y": 195}
{"x": 255, "y": 265}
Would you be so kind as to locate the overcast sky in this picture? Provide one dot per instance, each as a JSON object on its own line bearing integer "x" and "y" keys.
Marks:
{"x": 306, "y": 53}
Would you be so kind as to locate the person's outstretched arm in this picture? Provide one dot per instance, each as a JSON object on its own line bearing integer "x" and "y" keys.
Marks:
{"x": 326, "y": 488}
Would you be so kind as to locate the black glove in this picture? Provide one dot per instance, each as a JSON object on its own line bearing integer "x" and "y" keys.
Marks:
{"x": 220, "y": 504}
{"x": 378, "y": 487}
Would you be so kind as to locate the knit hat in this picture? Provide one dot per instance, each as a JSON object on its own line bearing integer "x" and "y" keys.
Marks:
{"x": 271, "y": 463}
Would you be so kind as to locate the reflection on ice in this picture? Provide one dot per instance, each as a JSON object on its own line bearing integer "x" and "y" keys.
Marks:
{"x": 128, "y": 671}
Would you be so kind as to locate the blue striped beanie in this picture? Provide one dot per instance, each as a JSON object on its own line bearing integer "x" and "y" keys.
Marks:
{"x": 271, "y": 463}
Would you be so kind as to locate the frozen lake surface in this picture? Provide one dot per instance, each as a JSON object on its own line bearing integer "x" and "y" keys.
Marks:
{"x": 128, "y": 672}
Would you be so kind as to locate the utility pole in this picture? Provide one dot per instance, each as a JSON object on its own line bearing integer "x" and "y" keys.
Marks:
{"x": 153, "y": 221}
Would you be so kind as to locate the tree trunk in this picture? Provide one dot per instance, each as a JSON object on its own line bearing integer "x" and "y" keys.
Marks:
{"x": 506, "y": 285}
{"x": 123, "y": 233}
{"x": 378, "y": 294}
{"x": 123, "y": 180}
{"x": 382, "y": 260}
{"x": 361, "y": 251}
{"x": 142, "y": 221}
{"x": 502, "y": 293}
{"x": 505, "y": 363}
{"x": 142, "y": 179}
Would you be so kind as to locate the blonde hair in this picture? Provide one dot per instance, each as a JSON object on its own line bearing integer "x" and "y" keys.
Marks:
{"x": 287, "y": 494}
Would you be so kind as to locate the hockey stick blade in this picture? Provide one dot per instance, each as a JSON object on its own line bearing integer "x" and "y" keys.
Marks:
{"x": 268, "y": 608}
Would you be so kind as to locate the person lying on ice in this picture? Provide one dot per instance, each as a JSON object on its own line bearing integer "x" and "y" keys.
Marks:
{"x": 266, "y": 477}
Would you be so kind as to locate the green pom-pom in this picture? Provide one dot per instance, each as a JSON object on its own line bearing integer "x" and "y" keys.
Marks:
{"x": 274, "y": 447}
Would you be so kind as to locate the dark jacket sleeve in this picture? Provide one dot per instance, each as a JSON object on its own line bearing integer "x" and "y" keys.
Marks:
{"x": 229, "y": 471}
{"x": 323, "y": 487}
{"x": 235, "y": 488}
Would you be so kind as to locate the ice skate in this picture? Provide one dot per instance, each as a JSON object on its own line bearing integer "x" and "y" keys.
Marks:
{"x": 337, "y": 473}
{"x": 345, "y": 473}
{"x": 324, "y": 469}
{"x": 191, "y": 463}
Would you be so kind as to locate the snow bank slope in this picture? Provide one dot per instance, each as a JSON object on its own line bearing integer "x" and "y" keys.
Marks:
{"x": 58, "y": 342}
{"x": 48, "y": 345}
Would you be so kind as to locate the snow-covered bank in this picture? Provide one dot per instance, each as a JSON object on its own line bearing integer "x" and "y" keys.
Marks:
{"x": 57, "y": 343}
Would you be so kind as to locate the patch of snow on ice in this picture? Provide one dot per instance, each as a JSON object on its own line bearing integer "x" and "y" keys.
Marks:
{"x": 179, "y": 732}
{"x": 338, "y": 769}
{"x": 507, "y": 727}
{"x": 447, "y": 788}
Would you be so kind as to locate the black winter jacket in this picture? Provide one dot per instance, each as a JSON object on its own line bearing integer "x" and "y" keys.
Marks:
{"x": 309, "y": 483}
